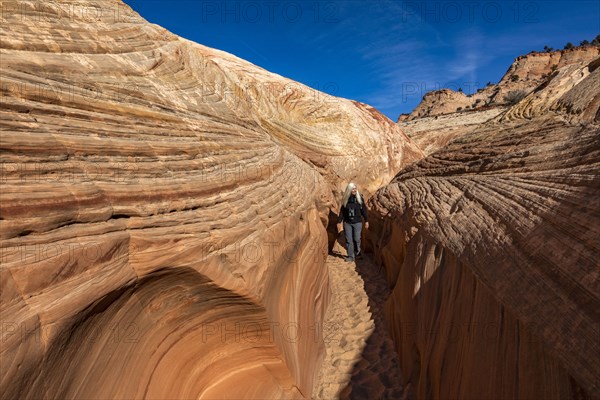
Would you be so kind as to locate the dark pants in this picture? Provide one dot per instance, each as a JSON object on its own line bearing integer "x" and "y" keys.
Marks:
{"x": 352, "y": 237}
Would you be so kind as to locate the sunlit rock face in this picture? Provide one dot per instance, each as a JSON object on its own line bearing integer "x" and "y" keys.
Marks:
{"x": 163, "y": 210}
{"x": 526, "y": 74}
{"x": 544, "y": 90}
{"x": 491, "y": 247}
{"x": 572, "y": 92}
{"x": 433, "y": 133}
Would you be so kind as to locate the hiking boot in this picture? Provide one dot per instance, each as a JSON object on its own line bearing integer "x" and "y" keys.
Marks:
{"x": 359, "y": 254}
{"x": 349, "y": 259}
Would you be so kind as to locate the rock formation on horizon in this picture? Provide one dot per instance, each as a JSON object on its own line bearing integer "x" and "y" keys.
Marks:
{"x": 445, "y": 114}
{"x": 525, "y": 74}
{"x": 491, "y": 246}
{"x": 164, "y": 209}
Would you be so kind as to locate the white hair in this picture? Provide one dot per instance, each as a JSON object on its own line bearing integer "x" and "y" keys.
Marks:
{"x": 348, "y": 193}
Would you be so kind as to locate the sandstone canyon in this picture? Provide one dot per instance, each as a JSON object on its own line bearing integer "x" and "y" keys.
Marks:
{"x": 490, "y": 247}
{"x": 164, "y": 209}
{"x": 167, "y": 212}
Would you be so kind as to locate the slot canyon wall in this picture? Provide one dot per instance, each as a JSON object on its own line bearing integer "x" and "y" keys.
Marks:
{"x": 491, "y": 248}
{"x": 164, "y": 209}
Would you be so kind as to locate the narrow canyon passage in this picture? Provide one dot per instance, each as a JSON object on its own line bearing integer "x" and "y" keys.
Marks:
{"x": 360, "y": 360}
{"x": 164, "y": 214}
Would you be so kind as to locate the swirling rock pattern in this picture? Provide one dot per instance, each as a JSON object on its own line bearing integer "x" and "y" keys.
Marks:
{"x": 491, "y": 247}
{"x": 527, "y": 74}
{"x": 163, "y": 210}
{"x": 433, "y": 133}
{"x": 570, "y": 91}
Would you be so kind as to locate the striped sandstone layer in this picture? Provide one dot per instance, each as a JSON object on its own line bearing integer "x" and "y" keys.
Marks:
{"x": 163, "y": 210}
{"x": 491, "y": 247}
{"x": 558, "y": 92}
{"x": 527, "y": 73}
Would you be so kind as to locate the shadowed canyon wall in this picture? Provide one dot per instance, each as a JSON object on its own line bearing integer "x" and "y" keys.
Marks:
{"x": 491, "y": 248}
{"x": 163, "y": 210}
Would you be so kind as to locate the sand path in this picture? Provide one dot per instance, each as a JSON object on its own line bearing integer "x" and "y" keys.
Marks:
{"x": 360, "y": 361}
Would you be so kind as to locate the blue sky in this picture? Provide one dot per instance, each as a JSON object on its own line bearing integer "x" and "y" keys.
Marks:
{"x": 384, "y": 53}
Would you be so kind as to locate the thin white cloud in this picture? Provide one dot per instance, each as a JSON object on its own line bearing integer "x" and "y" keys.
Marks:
{"x": 470, "y": 55}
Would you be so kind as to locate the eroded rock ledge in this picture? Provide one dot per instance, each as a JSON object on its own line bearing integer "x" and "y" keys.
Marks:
{"x": 491, "y": 246}
{"x": 569, "y": 89}
{"x": 163, "y": 210}
{"x": 527, "y": 74}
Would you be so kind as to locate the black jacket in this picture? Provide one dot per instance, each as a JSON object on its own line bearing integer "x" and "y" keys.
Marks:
{"x": 353, "y": 211}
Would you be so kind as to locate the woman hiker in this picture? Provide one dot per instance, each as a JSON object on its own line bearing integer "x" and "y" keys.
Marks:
{"x": 351, "y": 214}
